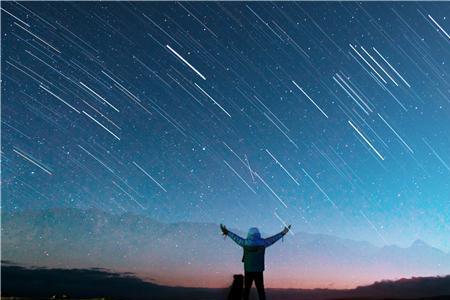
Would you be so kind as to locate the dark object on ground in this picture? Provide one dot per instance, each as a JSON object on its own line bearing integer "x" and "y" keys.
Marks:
{"x": 445, "y": 297}
{"x": 236, "y": 287}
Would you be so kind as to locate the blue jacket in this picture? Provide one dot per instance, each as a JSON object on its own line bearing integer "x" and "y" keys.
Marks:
{"x": 254, "y": 248}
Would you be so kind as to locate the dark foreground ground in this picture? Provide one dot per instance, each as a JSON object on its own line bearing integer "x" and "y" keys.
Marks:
{"x": 253, "y": 298}
{"x": 42, "y": 283}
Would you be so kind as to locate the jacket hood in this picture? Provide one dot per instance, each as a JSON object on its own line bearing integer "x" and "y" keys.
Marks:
{"x": 253, "y": 234}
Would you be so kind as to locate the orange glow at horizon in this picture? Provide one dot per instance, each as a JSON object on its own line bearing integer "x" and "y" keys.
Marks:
{"x": 284, "y": 280}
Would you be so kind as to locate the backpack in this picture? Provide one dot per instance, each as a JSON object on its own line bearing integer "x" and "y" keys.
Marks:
{"x": 237, "y": 287}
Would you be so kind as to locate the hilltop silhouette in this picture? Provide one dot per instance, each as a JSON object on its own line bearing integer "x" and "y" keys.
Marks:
{"x": 20, "y": 281}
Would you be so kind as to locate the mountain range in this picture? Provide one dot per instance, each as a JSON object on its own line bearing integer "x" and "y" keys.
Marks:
{"x": 196, "y": 255}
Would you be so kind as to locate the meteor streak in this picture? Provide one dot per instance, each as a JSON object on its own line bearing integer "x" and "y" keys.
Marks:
{"x": 287, "y": 172}
{"x": 33, "y": 161}
{"x": 317, "y": 106}
{"x": 149, "y": 176}
{"x": 186, "y": 62}
{"x": 270, "y": 189}
{"x": 366, "y": 140}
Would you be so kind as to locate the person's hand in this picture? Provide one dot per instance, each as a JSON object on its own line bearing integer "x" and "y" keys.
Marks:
{"x": 286, "y": 229}
{"x": 224, "y": 229}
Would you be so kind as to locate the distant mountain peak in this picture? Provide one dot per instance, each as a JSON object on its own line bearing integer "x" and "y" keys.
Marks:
{"x": 419, "y": 243}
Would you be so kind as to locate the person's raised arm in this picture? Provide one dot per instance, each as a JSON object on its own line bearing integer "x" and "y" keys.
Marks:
{"x": 237, "y": 239}
{"x": 271, "y": 240}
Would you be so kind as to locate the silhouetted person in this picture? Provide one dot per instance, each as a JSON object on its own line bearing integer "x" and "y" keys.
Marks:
{"x": 236, "y": 287}
{"x": 253, "y": 258}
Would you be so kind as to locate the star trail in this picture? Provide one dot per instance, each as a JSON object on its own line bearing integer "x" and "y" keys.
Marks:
{"x": 330, "y": 116}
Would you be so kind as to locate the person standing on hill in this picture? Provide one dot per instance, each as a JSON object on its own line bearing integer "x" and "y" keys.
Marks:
{"x": 253, "y": 258}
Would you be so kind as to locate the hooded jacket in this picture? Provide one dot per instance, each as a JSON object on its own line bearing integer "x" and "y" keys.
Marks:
{"x": 254, "y": 248}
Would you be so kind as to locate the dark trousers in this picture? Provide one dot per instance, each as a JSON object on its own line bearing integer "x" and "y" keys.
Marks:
{"x": 259, "y": 282}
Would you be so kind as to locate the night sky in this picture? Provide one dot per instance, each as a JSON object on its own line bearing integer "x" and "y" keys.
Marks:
{"x": 333, "y": 117}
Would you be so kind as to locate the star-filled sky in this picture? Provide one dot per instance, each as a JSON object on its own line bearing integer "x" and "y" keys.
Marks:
{"x": 333, "y": 117}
